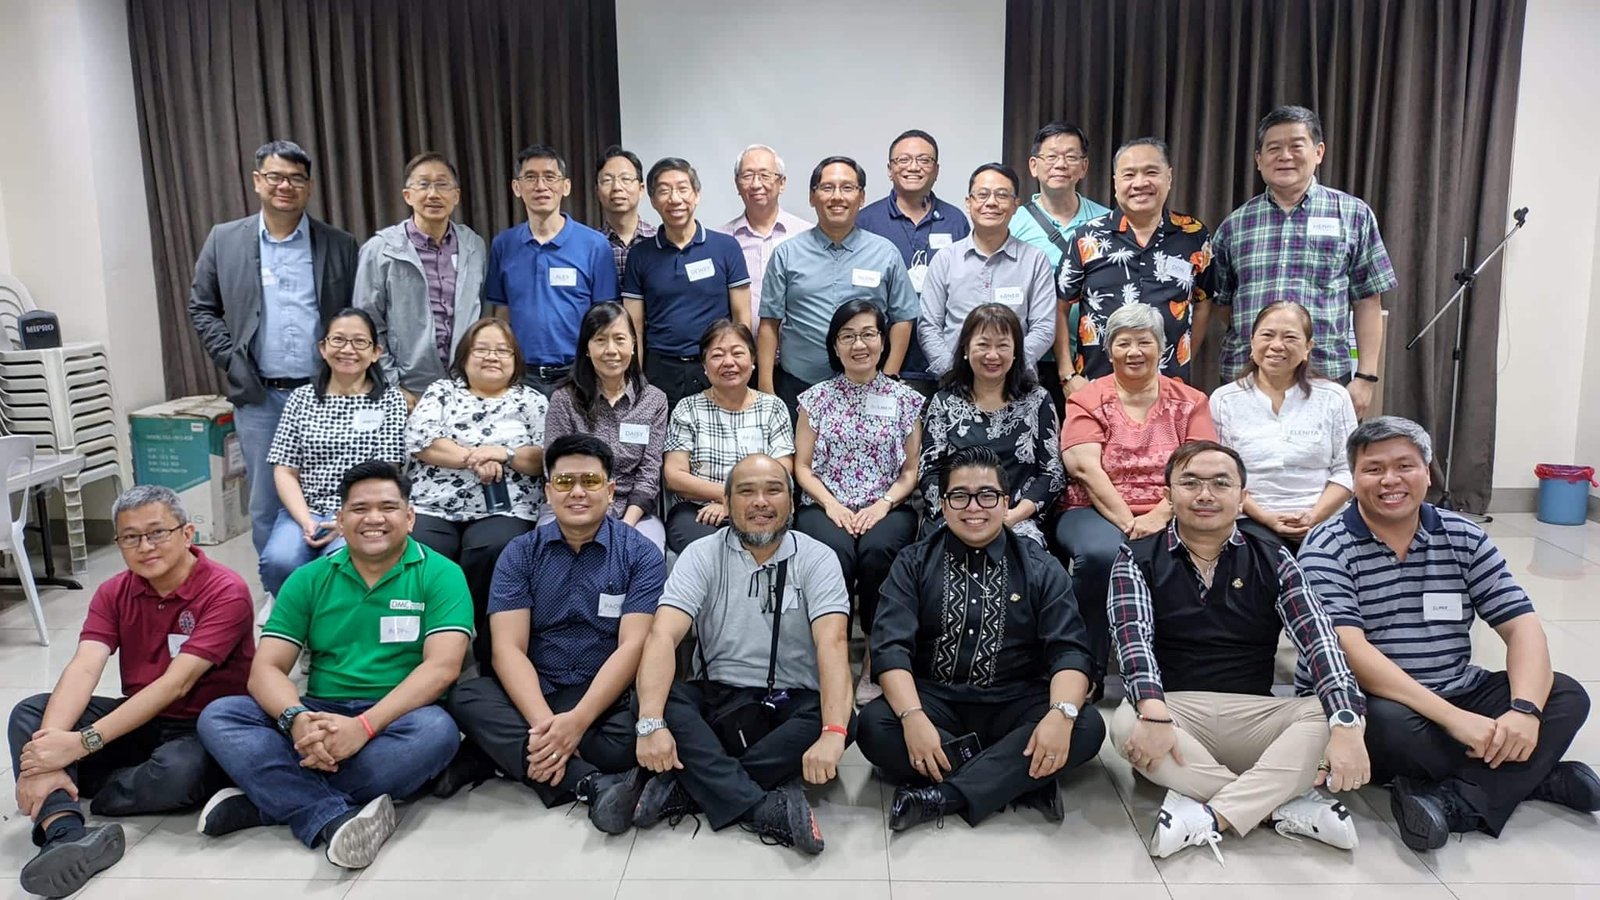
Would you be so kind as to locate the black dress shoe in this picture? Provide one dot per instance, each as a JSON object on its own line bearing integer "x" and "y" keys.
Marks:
{"x": 1571, "y": 784}
{"x": 613, "y": 798}
{"x": 470, "y": 766}
{"x": 1046, "y": 799}
{"x": 915, "y": 805}
{"x": 1421, "y": 813}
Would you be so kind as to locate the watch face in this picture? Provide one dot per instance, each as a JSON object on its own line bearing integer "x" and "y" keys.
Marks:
{"x": 1345, "y": 717}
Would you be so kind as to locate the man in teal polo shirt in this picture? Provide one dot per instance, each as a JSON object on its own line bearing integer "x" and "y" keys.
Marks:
{"x": 387, "y": 623}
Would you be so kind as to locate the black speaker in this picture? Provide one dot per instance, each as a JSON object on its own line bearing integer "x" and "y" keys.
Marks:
{"x": 39, "y": 329}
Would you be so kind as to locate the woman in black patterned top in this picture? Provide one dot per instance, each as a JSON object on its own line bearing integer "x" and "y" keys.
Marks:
{"x": 347, "y": 415}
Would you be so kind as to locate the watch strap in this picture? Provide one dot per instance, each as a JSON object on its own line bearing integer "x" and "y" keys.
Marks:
{"x": 1364, "y": 377}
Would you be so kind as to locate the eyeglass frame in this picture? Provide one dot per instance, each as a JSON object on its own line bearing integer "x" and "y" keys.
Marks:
{"x": 864, "y": 336}
{"x": 906, "y": 159}
{"x": 339, "y": 342}
{"x": 425, "y": 187}
{"x": 574, "y": 479}
{"x": 608, "y": 180}
{"x": 996, "y": 494}
{"x": 296, "y": 180}
{"x": 848, "y": 189}
{"x": 549, "y": 179}
{"x": 1070, "y": 159}
{"x": 1000, "y": 195}
{"x": 132, "y": 541}
{"x": 767, "y": 178}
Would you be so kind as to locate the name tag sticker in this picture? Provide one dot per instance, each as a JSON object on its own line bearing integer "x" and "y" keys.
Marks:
{"x": 1324, "y": 226}
{"x": 563, "y": 276}
{"x": 268, "y": 279}
{"x": 399, "y": 629}
{"x": 634, "y": 433}
{"x": 367, "y": 420}
{"x": 751, "y": 440}
{"x": 918, "y": 275}
{"x": 1179, "y": 269}
{"x": 175, "y": 643}
{"x": 791, "y": 598}
{"x": 1010, "y": 296}
{"x": 938, "y": 241}
{"x": 453, "y": 263}
{"x": 883, "y": 407}
{"x": 704, "y": 268}
{"x": 1441, "y": 607}
{"x": 611, "y": 605}
{"x": 867, "y": 278}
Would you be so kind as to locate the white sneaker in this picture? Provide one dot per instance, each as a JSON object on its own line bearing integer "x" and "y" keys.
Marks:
{"x": 1184, "y": 823}
{"x": 1316, "y": 816}
{"x": 866, "y": 690}
{"x": 355, "y": 845}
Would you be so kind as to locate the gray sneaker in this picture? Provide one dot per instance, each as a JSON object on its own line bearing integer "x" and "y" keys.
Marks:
{"x": 355, "y": 845}
{"x": 64, "y": 867}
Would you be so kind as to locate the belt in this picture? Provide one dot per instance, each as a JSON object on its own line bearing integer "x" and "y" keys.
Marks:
{"x": 548, "y": 371}
{"x": 682, "y": 359}
{"x": 284, "y": 384}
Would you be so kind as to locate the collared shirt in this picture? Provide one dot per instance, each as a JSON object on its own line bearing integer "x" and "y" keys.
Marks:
{"x": 635, "y": 429}
{"x": 683, "y": 289}
{"x": 758, "y": 248}
{"x": 439, "y": 271}
{"x": 811, "y": 276}
{"x": 1025, "y": 435}
{"x": 1325, "y": 253}
{"x": 1026, "y": 228}
{"x": 366, "y": 640}
{"x": 919, "y": 244}
{"x": 961, "y": 279}
{"x": 1417, "y": 611}
{"x": 1134, "y": 454}
{"x": 291, "y": 319}
{"x": 1108, "y": 269}
{"x": 1175, "y": 633}
{"x": 620, "y": 248}
{"x": 716, "y": 438}
{"x": 322, "y": 437}
{"x": 548, "y": 287}
{"x": 985, "y": 624}
{"x": 448, "y": 409}
{"x": 210, "y": 616}
{"x": 719, "y": 584}
{"x": 861, "y": 432}
{"x": 576, "y": 601}
{"x": 1291, "y": 454}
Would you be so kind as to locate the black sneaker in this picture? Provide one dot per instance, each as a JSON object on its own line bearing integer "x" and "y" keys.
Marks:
{"x": 612, "y": 799}
{"x": 470, "y": 766}
{"x": 1421, "y": 814}
{"x": 63, "y": 867}
{"x": 227, "y": 811}
{"x": 1571, "y": 784}
{"x": 1046, "y": 799}
{"x": 663, "y": 798}
{"x": 785, "y": 819}
{"x": 915, "y": 805}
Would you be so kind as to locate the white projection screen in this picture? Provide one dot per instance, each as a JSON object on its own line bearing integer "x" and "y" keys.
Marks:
{"x": 703, "y": 79}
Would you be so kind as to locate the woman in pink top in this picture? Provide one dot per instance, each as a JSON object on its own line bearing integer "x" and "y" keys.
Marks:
{"x": 1120, "y": 429}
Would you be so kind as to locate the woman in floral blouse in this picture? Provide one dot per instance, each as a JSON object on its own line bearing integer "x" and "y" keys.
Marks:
{"x": 990, "y": 398}
{"x": 474, "y": 437}
{"x": 855, "y": 453}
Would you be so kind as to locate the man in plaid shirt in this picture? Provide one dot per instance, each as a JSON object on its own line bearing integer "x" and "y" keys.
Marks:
{"x": 1196, "y": 610}
{"x": 1301, "y": 240}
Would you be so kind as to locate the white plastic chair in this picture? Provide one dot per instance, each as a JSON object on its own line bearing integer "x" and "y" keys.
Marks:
{"x": 16, "y": 453}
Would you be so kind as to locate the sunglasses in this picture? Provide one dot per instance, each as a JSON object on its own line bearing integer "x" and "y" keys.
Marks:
{"x": 591, "y": 481}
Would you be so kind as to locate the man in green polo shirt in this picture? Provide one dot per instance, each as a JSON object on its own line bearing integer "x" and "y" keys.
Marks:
{"x": 387, "y": 622}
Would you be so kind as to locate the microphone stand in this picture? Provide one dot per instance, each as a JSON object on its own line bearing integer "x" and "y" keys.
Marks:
{"x": 1465, "y": 279}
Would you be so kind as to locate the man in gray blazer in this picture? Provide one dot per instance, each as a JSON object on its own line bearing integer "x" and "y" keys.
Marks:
{"x": 264, "y": 288}
{"x": 422, "y": 280}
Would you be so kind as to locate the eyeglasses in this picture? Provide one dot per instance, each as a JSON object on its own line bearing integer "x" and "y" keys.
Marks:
{"x": 591, "y": 481}
{"x": 550, "y": 178}
{"x": 156, "y": 537}
{"x": 668, "y": 191}
{"x": 843, "y": 190}
{"x": 1221, "y": 484}
{"x": 904, "y": 161}
{"x": 492, "y": 353}
{"x": 987, "y": 498}
{"x": 985, "y": 195}
{"x": 864, "y": 336}
{"x": 627, "y": 181}
{"x": 424, "y": 187}
{"x": 1070, "y": 159}
{"x": 339, "y": 342}
{"x": 278, "y": 179}
{"x": 750, "y": 178}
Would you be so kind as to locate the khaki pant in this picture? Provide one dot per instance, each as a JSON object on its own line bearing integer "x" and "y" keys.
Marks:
{"x": 1243, "y": 755}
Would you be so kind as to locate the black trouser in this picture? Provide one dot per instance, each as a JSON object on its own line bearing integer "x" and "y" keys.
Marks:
{"x": 1403, "y": 742}
{"x": 475, "y": 545}
{"x": 865, "y": 560}
{"x": 676, "y": 376}
{"x": 726, "y": 786}
{"x": 157, "y": 767}
{"x": 683, "y": 528}
{"x": 545, "y": 379}
{"x": 489, "y": 719}
{"x": 999, "y": 773}
{"x": 788, "y": 388}
{"x": 1050, "y": 378}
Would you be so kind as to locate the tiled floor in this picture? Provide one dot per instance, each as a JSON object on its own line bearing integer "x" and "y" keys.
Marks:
{"x": 497, "y": 842}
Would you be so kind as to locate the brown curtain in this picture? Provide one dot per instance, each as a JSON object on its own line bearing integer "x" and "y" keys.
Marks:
{"x": 363, "y": 85}
{"x": 1417, "y": 99}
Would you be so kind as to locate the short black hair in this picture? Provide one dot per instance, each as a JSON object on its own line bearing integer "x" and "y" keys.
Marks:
{"x": 428, "y": 156}
{"x": 671, "y": 164}
{"x": 374, "y": 470}
{"x": 610, "y": 153}
{"x": 538, "y": 151}
{"x": 977, "y": 456}
{"x": 1158, "y": 143}
{"x": 288, "y": 150}
{"x": 915, "y": 133}
{"x": 861, "y": 174}
{"x": 579, "y": 444}
{"x": 1289, "y": 115}
{"x": 849, "y": 310}
{"x": 1003, "y": 169}
{"x": 1057, "y": 128}
{"x": 1190, "y": 449}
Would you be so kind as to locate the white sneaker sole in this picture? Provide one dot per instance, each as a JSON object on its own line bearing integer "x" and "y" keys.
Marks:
{"x": 355, "y": 845}
{"x": 216, "y": 800}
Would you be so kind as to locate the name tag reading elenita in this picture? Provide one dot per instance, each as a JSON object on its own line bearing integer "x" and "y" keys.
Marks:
{"x": 882, "y": 407}
{"x": 867, "y": 278}
{"x": 1441, "y": 607}
{"x": 367, "y": 420}
{"x": 563, "y": 276}
{"x": 700, "y": 269}
{"x": 634, "y": 433}
{"x": 1324, "y": 226}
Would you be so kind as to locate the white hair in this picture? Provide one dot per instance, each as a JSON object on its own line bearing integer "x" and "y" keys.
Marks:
{"x": 1136, "y": 317}
{"x": 737, "y": 163}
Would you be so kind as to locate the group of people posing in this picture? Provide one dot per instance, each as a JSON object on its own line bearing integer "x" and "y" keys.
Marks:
{"x": 976, "y": 443}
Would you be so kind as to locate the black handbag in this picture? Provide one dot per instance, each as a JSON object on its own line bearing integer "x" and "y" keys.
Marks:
{"x": 749, "y": 718}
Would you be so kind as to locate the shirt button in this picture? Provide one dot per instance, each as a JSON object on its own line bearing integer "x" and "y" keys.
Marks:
{"x": 970, "y": 631}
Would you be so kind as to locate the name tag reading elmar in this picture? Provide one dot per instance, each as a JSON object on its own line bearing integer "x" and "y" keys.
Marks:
{"x": 1441, "y": 607}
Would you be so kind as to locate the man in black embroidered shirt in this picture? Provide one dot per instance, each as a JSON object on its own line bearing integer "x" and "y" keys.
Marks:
{"x": 983, "y": 660}
{"x": 1196, "y": 610}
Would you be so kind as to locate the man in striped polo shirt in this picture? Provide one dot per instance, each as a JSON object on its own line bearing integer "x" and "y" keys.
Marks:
{"x": 1403, "y": 581}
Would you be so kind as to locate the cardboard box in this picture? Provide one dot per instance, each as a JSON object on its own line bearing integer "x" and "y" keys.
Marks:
{"x": 189, "y": 445}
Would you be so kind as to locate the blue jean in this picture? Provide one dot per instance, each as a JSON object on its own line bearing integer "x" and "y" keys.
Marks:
{"x": 256, "y": 423}
{"x": 246, "y": 742}
{"x": 287, "y": 550}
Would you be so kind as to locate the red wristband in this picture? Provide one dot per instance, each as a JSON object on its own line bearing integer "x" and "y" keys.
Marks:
{"x": 840, "y": 730}
{"x": 367, "y": 725}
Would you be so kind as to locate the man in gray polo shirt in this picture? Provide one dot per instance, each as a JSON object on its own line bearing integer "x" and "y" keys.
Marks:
{"x": 815, "y": 272}
{"x": 1403, "y": 581}
{"x": 770, "y": 701}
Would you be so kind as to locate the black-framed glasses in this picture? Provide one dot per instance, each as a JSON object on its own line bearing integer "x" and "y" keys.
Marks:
{"x": 566, "y": 481}
{"x": 984, "y": 195}
{"x": 339, "y": 342}
{"x": 1070, "y": 159}
{"x": 987, "y": 498}
{"x": 279, "y": 179}
{"x": 923, "y": 160}
{"x": 156, "y": 537}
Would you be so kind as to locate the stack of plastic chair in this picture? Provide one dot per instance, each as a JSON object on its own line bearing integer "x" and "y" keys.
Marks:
{"x": 63, "y": 398}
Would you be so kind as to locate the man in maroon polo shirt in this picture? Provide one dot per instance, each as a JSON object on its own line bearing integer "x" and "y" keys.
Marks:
{"x": 184, "y": 626}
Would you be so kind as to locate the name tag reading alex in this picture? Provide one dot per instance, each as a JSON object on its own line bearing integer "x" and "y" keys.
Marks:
{"x": 1324, "y": 226}
{"x": 883, "y": 407}
{"x": 634, "y": 433}
{"x": 1441, "y": 607}
{"x": 563, "y": 276}
{"x": 367, "y": 419}
{"x": 867, "y": 278}
{"x": 938, "y": 241}
{"x": 1010, "y": 296}
{"x": 611, "y": 605}
{"x": 704, "y": 268}
{"x": 399, "y": 629}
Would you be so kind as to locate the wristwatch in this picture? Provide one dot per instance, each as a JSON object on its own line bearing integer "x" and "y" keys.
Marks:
{"x": 1066, "y": 709}
{"x": 1526, "y": 707}
{"x": 647, "y": 727}
{"x": 1364, "y": 377}
{"x": 286, "y": 718}
{"x": 1346, "y": 718}
{"x": 92, "y": 741}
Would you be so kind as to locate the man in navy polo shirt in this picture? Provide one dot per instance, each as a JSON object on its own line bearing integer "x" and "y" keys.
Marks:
{"x": 679, "y": 282}
{"x": 545, "y": 275}
{"x": 571, "y": 606}
{"x": 917, "y": 223}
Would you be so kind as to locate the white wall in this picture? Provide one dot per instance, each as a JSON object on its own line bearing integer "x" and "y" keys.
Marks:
{"x": 702, "y": 80}
{"x": 5, "y": 242}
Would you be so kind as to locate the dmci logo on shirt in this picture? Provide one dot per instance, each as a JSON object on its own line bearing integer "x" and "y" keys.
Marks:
{"x": 407, "y": 605}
